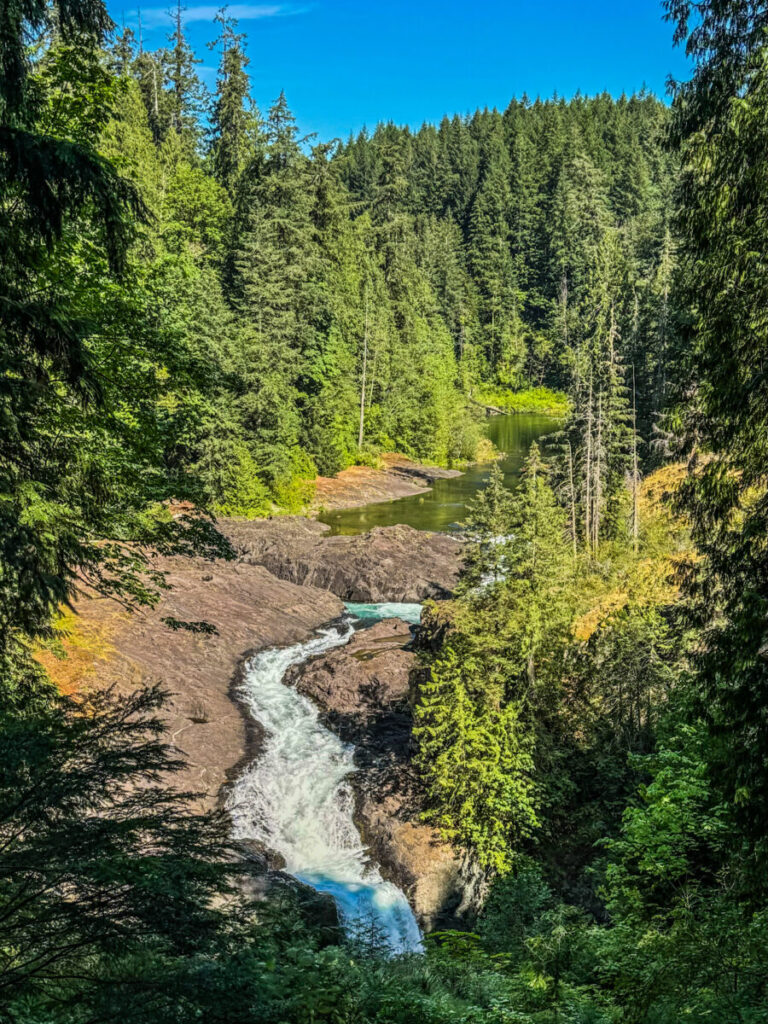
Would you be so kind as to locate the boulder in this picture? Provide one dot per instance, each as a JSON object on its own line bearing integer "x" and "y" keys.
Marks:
{"x": 359, "y": 686}
{"x": 263, "y": 879}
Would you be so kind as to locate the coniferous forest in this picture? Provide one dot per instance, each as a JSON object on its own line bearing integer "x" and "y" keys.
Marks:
{"x": 201, "y": 311}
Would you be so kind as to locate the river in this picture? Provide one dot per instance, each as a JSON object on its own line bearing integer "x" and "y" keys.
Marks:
{"x": 442, "y": 508}
{"x": 296, "y": 797}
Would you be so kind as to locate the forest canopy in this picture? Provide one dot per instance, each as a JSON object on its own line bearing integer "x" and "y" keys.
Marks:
{"x": 200, "y": 311}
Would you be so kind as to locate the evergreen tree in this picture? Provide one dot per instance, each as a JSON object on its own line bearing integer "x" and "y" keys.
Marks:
{"x": 475, "y": 711}
{"x": 233, "y": 134}
{"x": 475, "y": 755}
{"x": 55, "y": 184}
{"x": 538, "y": 564}
{"x": 150, "y": 71}
{"x": 277, "y": 273}
{"x": 719, "y": 122}
{"x": 490, "y": 258}
{"x": 488, "y": 523}
{"x": 188, "y": 99}
{"x": 101, "y": 862}
{"x": 123, "y": 52}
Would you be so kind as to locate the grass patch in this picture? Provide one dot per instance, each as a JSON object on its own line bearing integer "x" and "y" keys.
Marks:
{"x": 537, "y": 400}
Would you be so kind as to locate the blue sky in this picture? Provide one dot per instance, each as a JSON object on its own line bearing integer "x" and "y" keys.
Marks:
{"x": 346, "y": 63}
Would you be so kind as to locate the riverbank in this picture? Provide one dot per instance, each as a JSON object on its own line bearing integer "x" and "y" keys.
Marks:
{"x": 397, "y": 476}
{"x": 537, "y": 401}
{"x": 104, "y": 647}
{"x": 289, "y": 577}
{"x": 442, "y": 507}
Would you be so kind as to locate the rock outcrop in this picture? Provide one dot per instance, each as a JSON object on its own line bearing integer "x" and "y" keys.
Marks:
{"x": 363, "y": 690}
{"x": 263, "y": 879}
{"x": 250, "y": 609}
{"x": 389, "y": 563}
{"x": 397, "y": 477}
{"x": 356, "y": 685}
{"x": 290, "y": 577}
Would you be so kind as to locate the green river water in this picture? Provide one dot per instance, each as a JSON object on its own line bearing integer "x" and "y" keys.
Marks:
{"x": 442, "y": 508}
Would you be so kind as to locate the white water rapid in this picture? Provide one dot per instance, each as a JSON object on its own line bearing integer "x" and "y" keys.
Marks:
{"x": 296, "y": 799}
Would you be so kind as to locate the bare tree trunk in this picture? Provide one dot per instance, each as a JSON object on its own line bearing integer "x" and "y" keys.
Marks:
{"x": 635, "y": 517}
{"x": 372, "y": 384}
{"x": 598, "y": 488}
{"x": 661, "y": 376}
{"x": 365, "y": 367}
{"x": 588, "y": 496}
{"x": 572, "y": 499}
{"x": 154, "y": 88}
{"x": 564, "y": 307}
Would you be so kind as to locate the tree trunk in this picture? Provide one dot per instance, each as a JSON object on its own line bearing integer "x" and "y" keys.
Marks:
{"x": 598, "y": 486}
{"x": 635, "y": 517}
{"x": 588, "y": 482}
{"x": 365, "y": 367}
{"x": 572, "y": 499}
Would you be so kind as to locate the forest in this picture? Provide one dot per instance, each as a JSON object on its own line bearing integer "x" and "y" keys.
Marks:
{"x": 201, "y": 311}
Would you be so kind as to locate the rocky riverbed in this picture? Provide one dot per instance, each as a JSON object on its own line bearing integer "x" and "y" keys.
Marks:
{"x": 288, "y": 578}
{"x": 389, "y": 563}
{"x": 365, "y": 692}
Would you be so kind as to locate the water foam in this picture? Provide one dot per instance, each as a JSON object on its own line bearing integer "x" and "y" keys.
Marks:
{"x": 296, "y": 798}
{"x": 389, "y": 610}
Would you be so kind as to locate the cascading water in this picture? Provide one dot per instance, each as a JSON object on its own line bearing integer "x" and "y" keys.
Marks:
{"x": 295, "y": 798}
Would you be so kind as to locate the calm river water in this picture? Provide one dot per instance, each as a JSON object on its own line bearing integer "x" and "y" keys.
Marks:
{"x": 442, "y": 508}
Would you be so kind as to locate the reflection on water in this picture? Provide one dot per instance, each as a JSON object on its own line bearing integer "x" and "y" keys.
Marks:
{"x": 442, "y": 508}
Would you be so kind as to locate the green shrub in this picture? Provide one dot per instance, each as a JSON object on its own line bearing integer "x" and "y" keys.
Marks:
{"x": 295, "y": 491}
{"x": 231, "y": 473}
{"x": 532, "y": 400}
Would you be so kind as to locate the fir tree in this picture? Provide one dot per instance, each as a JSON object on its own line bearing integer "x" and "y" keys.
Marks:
{"x": 233, "y": 134}
{"x": 491, "y": 261}
{"x": 721, "y": 388}
{"x": 277, "y": 270}
{"x": 188, "y": 100}
{"x": 123, "y": 52}
{"x": 475, "y": 755}
{"x": 538, "y": 564}
{"x": 150, "y": 72}
{"x": 488, "y": 523}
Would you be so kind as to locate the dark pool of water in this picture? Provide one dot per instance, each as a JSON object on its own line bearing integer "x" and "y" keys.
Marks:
{"x": 442, "y": 508}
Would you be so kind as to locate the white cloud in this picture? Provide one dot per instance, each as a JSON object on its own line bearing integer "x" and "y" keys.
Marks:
{"x": 156, "y": 17}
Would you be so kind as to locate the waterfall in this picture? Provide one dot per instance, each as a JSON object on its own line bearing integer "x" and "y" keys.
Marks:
{"x": 296, "y": 798}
